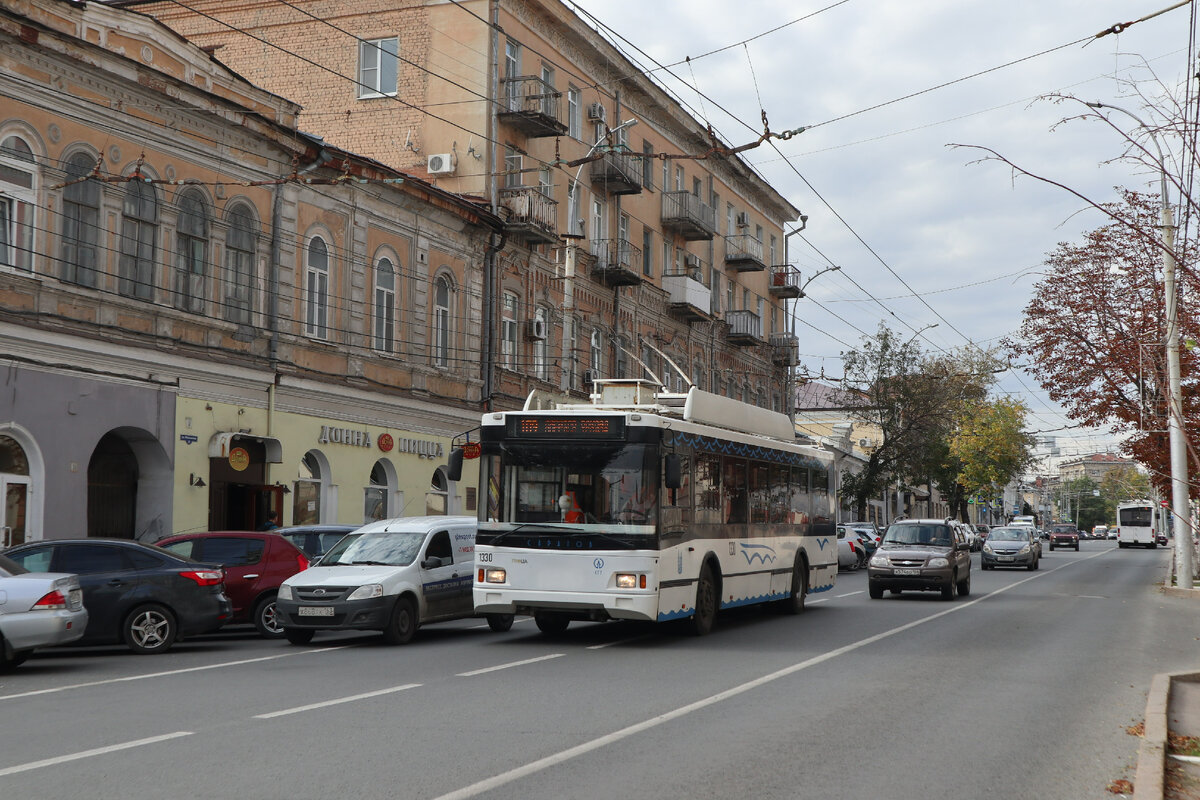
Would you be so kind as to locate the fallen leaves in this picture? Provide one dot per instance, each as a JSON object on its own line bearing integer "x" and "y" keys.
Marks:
{"x": 1120, "y": 786}
{"x": 1138, "y": 730}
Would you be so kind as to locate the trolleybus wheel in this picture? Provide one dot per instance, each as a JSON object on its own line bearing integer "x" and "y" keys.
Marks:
{"x": 551, "y": 621}
{"x": 706, "y": 602}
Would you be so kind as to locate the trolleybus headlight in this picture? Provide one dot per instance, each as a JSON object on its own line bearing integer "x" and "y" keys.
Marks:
{"x": 626, "y": 580}
{"x": 366, "y": 592}
{"x": 939, "y": 562}
{"x": 494, "y": 575}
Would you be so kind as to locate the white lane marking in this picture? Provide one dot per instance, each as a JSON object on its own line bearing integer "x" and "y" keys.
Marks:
{"x": 515, "y": 622}
{"x": 99, "y": 751}
{"x": 510, "y": 664}
{"x": 814, "y": 602}
{"x": 170, "y": 672}
{"x": 337, "y": 701}
{"x": 505, "y": 778}
{"x": 850, "y": 594}
{"x": 618, "y": 641}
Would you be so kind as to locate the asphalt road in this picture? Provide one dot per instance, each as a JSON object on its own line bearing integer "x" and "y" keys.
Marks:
{"x": 1022, "y": 690}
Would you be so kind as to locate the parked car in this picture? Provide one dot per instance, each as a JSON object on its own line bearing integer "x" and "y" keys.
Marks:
{"x": 1014, "y": 546}
{"x": 868, "y": 528}
{"x": 1064, "y": 535}
{"x": 1160, "y": 538}
{"x": 255, "y": 564}
{"x": 921, "y": 554}
{"x": 391, "y": 576}
{"x": 134, "y": 593}
{"x": 850, "y": 549}
{"x": 971, "y": 535}
{"x": 37, "y": 609}
{"x": 315, "y": 540}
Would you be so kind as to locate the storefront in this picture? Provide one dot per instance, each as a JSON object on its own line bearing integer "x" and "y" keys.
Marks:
{"x": 237, "y": 463}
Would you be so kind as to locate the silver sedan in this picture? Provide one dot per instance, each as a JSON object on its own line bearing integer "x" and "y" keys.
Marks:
{"x": 37, "y": 609}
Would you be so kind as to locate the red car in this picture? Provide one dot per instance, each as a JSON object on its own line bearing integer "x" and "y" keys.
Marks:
{"x": 255, "y": 564}
{"x": 1064, "y": 536}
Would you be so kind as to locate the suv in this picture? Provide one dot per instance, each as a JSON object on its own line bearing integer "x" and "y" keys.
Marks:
{"x": 255, "y": 564}
{"x": 1064, "y": 535}
{"x": 922, "y": 555}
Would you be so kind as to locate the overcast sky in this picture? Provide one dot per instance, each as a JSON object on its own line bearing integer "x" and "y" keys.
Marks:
{"x": 967, "y": 237}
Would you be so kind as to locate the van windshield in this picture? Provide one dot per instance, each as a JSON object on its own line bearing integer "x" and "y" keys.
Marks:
{"x": 396, "y": 549}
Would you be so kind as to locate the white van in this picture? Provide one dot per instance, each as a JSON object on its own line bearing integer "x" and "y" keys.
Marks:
{"x": 389, "y": 576}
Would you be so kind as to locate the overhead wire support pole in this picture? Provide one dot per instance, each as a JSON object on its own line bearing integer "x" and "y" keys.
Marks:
{"x": 1179, "y": 481}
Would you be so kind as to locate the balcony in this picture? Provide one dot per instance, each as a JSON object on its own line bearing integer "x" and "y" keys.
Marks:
{"x": 687, "y": 295}
{"x": 531, "y": 105}
{"x": 785, "y": 281}
{"x": 532, "y": 216}
{"x": 618, "y": 263}
{"x": 745, "y": 327}
{"x": 683, "y": 213}
{"x": 744, "y": 253}
{"x": 618, "y": 173}
{"x": 785, "y": 349}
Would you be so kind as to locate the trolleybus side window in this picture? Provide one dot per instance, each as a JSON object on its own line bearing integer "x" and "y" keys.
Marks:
{"x": 734, "y": 479}
{"x": 708, "y": 490}
{"x": 677, "y": 503}
{"x": 780, "y": 494}
{"x": 759, "y": 492}
{"x": 801, "y": 498}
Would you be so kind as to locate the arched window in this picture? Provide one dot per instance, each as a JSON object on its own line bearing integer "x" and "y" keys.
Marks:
{"x": 241, "y": 244}
{"x": 191, "y": 252}
{"x": 139, "y": 229}
{"x": 81, "y": 222}
{"x": 14, "y": 491}
{"x": 316, "y": 299}
{"x": 18, "y": 198}
{"x": 306, "y": 497}
{"x": 439, "y": 493}
{"x": 375, "y": 496}
{"x": 385, "y": 306}
{"x": 441, "y": 321}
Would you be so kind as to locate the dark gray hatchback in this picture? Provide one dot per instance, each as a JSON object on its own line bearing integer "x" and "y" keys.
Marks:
{"x": 921, "y": 555}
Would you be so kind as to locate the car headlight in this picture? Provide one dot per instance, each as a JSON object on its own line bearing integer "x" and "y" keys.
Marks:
{"x": 367, "y": 592}
{"x": 1023, "y": 550}
{"x": 939, "y": 562}
{"x": 285, "y": 592}
{"x": 987, "y": 548}
{"x": 879, "y": 561}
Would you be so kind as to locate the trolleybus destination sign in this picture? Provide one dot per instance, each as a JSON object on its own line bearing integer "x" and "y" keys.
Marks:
{"x": 609, "y": 427}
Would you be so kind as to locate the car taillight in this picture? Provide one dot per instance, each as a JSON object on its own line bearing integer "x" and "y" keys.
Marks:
{"x": 50, "y": 601}
{"x": 204, "y": 577}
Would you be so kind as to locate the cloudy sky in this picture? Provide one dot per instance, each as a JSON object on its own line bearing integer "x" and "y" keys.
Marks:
{"x": 923, "y": 232}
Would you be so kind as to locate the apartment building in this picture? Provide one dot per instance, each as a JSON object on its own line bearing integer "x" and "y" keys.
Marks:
{"x": 633, "y": 241}
{"x": 205, "y": 313}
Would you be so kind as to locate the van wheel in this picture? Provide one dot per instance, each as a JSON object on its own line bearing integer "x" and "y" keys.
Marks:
{"x": 403, "y": 623}
{"x": 299, "y": 635}
{"x": 266, "y": 619}
{"x": 706, "y": 603}
{"x": 500, "y": 622}
{"x": 551, "y": 622}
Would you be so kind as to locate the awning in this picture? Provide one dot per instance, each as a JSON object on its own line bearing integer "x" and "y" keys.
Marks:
{"x": 224, "y": 441}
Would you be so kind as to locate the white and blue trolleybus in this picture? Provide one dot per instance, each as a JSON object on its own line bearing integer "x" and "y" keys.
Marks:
{"x": 1137, "y": 522}
{"x": 648, "y": 505}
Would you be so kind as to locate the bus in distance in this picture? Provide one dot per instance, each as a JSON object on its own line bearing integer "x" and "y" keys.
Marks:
{"x": 1137, "y": 522}
{"x": 649, "y": 505}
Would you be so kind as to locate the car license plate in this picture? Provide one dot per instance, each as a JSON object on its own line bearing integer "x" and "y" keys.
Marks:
{"x": 316, "y": 611}
{"x": 902, "y": 571}
{"x": 1004, "y": 558}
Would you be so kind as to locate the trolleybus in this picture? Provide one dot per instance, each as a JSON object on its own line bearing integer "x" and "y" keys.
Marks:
{"x": 648, "y": 505}
{"x": 1137, "y": 522}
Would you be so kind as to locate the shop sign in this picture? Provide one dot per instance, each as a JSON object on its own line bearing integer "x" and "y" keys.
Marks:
{"x": 471, "y": 450}
{"x": 385, "y": 442}
{"x": 239, "y": 459}
{"x": 423, "y": 448}
{"x": 332, "y": 435}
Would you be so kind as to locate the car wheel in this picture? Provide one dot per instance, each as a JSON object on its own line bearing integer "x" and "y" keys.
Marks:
{"x": 402, "y": 625}
{"x": 266, "y": 619}
{"x": 706, "y": 603}
{"x": 299, "y": 635}
{"x": 10, "y": 658}
{"x": 1051, "y": 548}
{"x": 799, "y": 591}
{"x": 551, "y": 622}
{"x": 876, "y": 592}
{"x": 1077, "y": 547}
{"x": 149, "y": 630}
{"x": 948, "y": 590}
{"x": 964, "y": 586}
{"x": 500, "y": 622}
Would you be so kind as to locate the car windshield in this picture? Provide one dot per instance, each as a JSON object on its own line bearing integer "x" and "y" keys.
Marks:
{"x": 1008, "y": 535}
{"x": 938, "y": 535}
{"x": 8, "y": 568}
{"x": 397, "y": 549}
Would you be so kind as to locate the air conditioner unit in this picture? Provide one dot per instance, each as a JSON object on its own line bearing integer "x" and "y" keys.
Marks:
{"x": 535, "y": 329}
{"x": 866, "y": 442}
{"x": 743, "y": 219}
{"x": 441, "y": 164}
{"x": 597, "y": 112}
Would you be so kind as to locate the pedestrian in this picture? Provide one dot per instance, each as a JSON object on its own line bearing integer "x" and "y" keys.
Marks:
{"x": 272, "y": 522}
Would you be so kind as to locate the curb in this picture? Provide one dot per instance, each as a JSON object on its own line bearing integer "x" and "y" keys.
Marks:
{"x": 1152, "y": 752}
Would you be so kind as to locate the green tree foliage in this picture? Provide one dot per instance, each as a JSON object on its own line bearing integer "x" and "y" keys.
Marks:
{"x": 1079, "y": 503}
{"x": 990, "y": 446}
{"x": 1121, "y": 484}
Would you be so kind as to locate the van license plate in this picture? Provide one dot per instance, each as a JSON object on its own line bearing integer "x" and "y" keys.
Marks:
{"x": 316, "y": 611}
{"x": 908, "y": 571}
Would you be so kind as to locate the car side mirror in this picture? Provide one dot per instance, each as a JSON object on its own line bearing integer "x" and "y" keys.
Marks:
{"x": 433, "y": 562}
{"x": 454, "y": 465}
{"x": 674, "y": 472}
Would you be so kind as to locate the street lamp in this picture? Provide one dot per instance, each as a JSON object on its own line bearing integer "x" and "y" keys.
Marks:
{"x": 574, "y": 223}
{"x": 1179, "y": 486}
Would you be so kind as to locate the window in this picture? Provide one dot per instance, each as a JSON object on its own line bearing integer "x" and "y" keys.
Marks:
{"x": 666, "y": 175}
{"x": 647, "y": 252}
{"x": 508, "y": 331}
{"x": 81, "y": 222}
{"x": 598, "y": 230}
{"x": 774, "y": 250}
{"x": 545, "y": 182}
{"x": 240, "y": 244}
{"x": 316, "y": 302}
{"x": 679, "y": 179}
{"x": 512, "y": 70}
{"x": 647, "y": 165}
{"x": 512, "y": 168}
{"x": 306, "y": 496}
{"x": 441, "y": 321}
{"x": 437, "y": 498}
{"x": 139, "y": 228}
{"x": 574, "y": 217}
{"x": 378, "y": 62}
{"x": 548, "y": 108}
{"x": 385, "y": 306}
{"x": 730, "y": 220}
{"x": 540, "y": 360}
{"x": 191, "y": 252}
{"x": 375, "y": 496}
{"x": 597, "y": 353}
{"x": 17, "y": 203}
{"x": 574, "y": 113}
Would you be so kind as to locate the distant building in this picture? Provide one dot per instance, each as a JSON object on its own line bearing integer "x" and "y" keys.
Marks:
{"x": 1094, "y": 466}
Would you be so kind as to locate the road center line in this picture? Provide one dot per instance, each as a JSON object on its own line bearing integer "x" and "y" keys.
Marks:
{"x": 99, "y": 751}
{"x": 618, "y": 641}
{"x": 505, "y": 778}
{"x": 849, "y": 594}
{"x": 167, "y": 673}
{"x": 510, "y": 664}
{"x": 338, "y": 701}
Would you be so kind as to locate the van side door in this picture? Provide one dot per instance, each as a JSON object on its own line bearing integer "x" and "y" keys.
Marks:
{"x": 462, "y": 541}
{"x": 439, "y": 576}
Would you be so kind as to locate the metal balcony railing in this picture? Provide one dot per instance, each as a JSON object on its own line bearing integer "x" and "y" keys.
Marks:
{"x": 618, "y": 262}
{"x": 744, "y": 253}
{"x": 618, "y": 173}
{"x": 532, "y": 106}
{"x": 785, "y": 281}
{"x": 745, "y": 327}
{"x": 684, "y": 213}
{"x": 532, "y": 216}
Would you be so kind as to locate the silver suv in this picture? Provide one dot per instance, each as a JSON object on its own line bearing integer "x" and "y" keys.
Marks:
{"x": 921, "y": 555}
